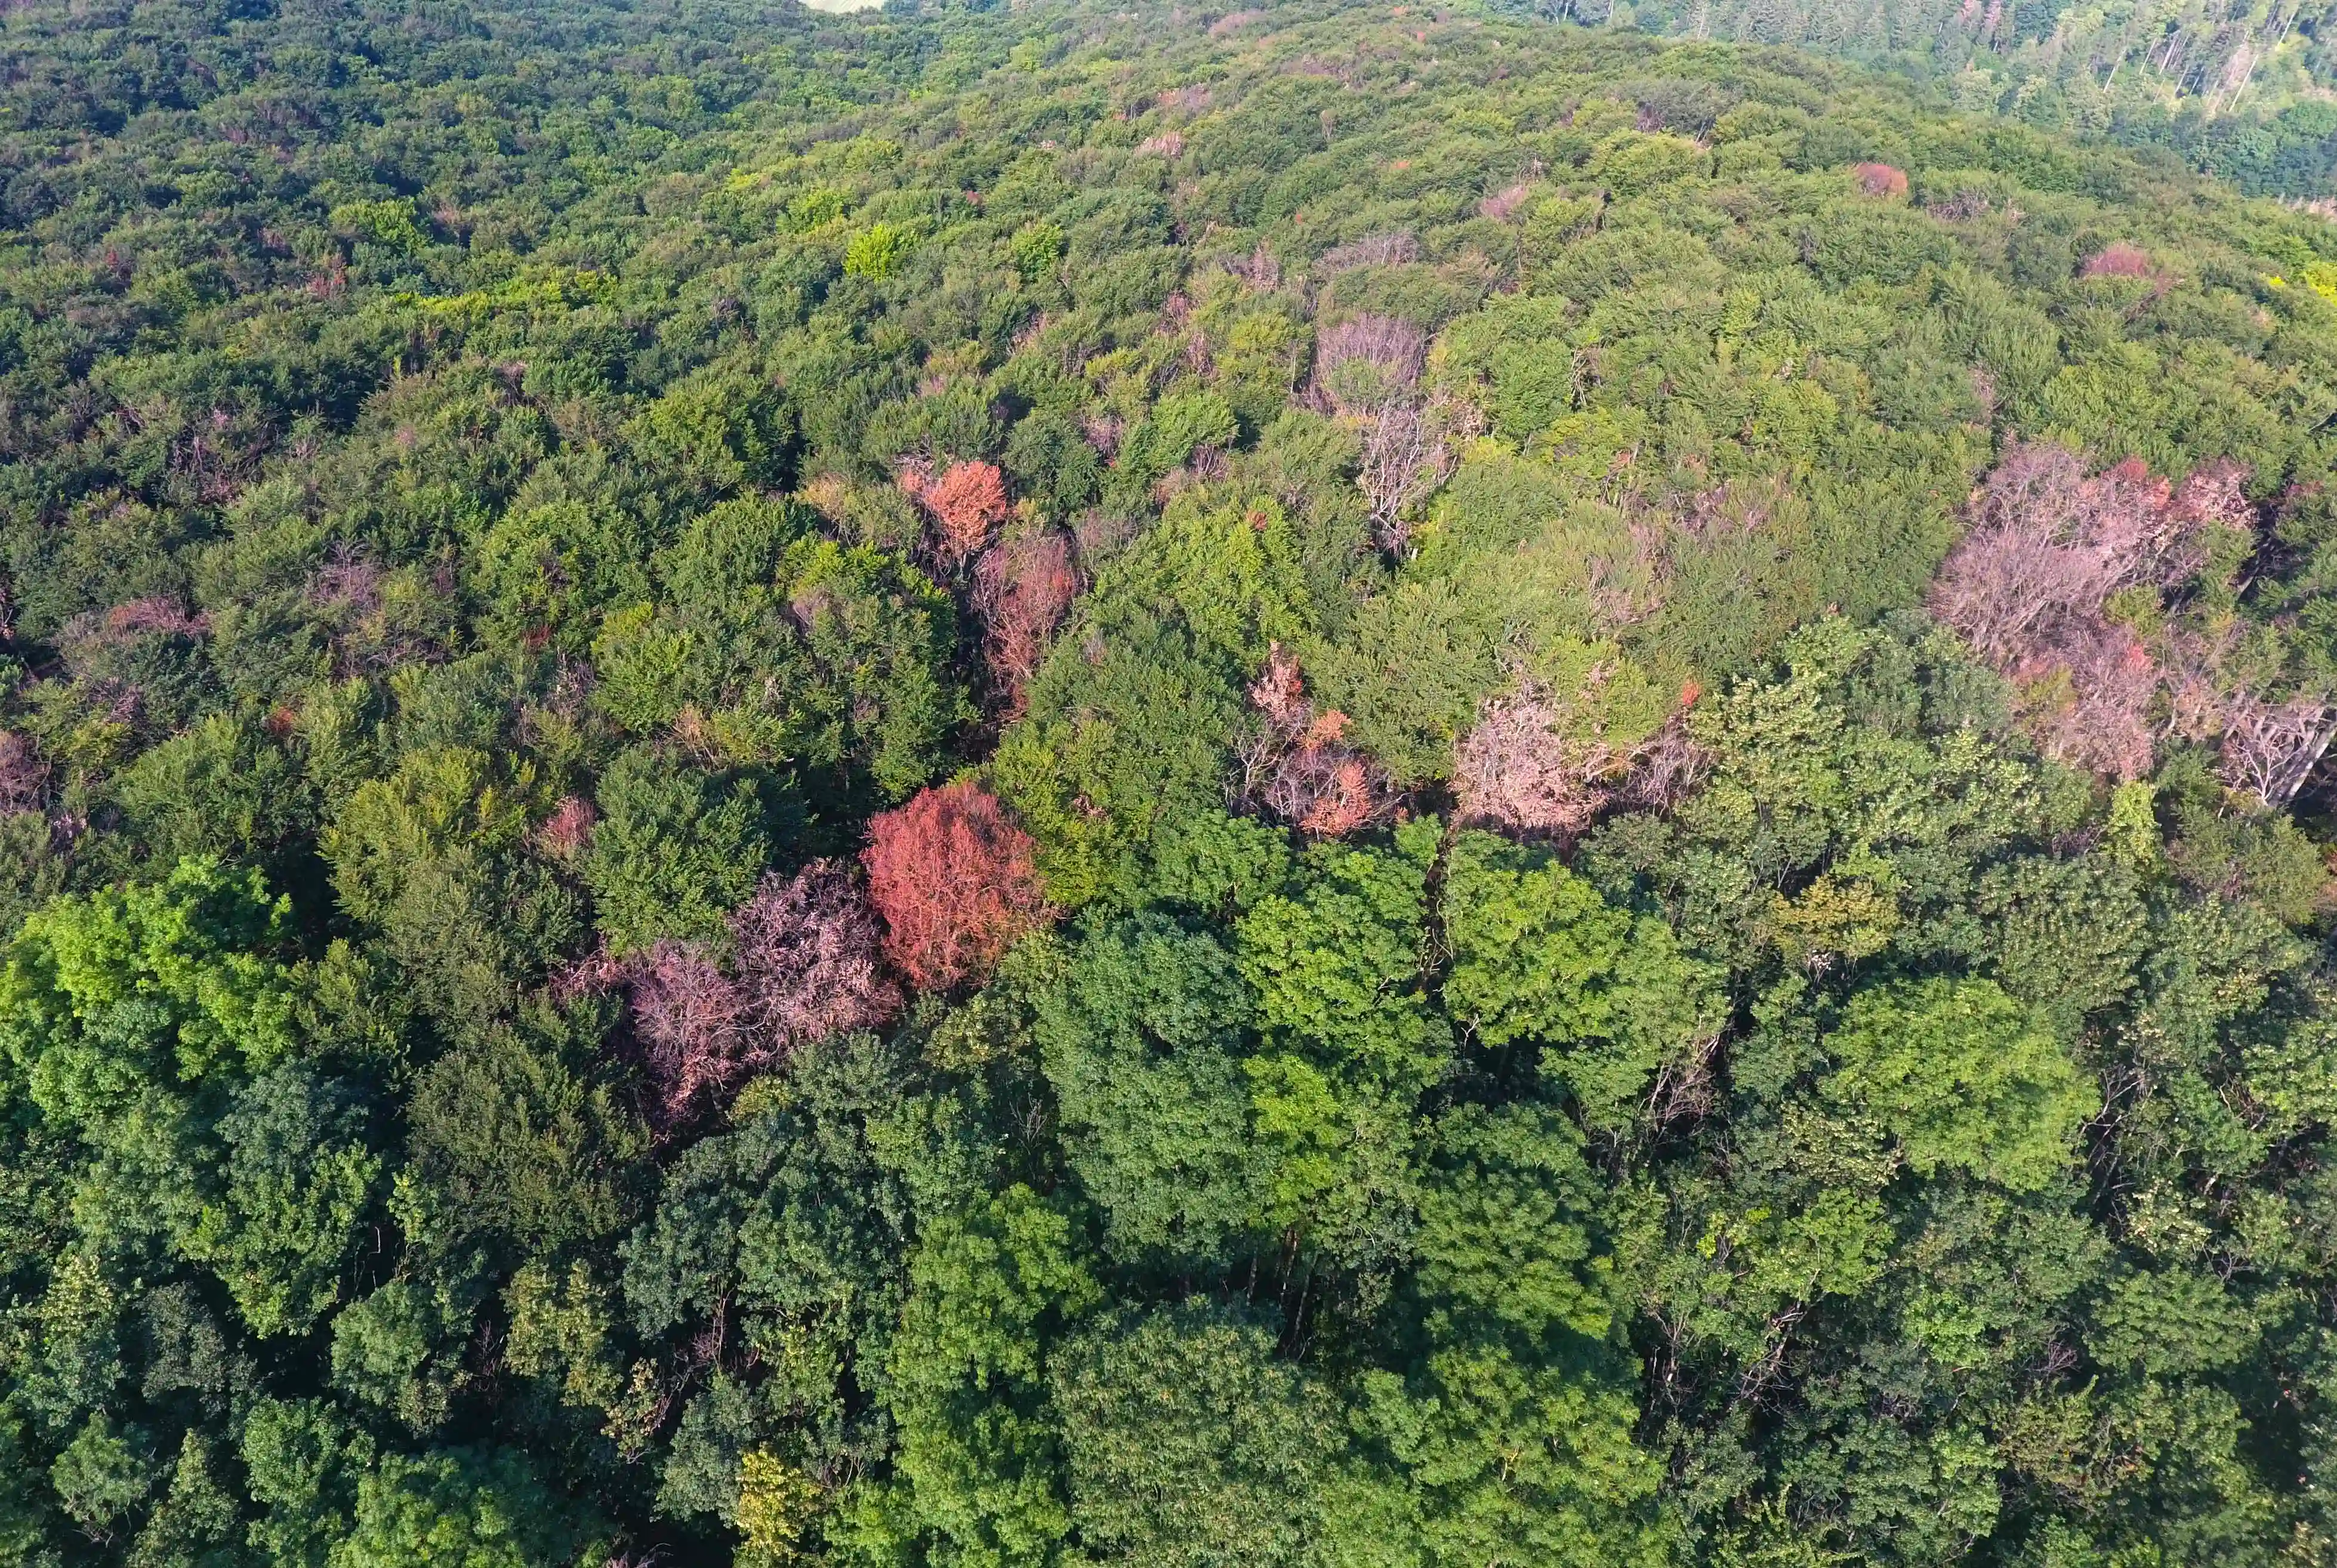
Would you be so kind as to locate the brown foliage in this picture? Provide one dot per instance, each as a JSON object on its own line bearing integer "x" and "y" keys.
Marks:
{"x": 331, "y": 280}
{"x": 348, "y": 580}
{"x": 1880, "y": 180}
{"x": 568, "y": 830}
{"x": 1022, "y": 589}
{"x": 1102, "y": 432}
{"x": 2088, "y": 699}
{"x": 2213, "y": 495}
{"x": 24, "y": 776}
{"x": 2116, "y": 259}
{"x": 1502, "y": 205}
{"x": 1263, "y": 269}
{"x": 157, "y": 616}
{"x": 966, "y": 502}
{"x": 1299, "y": 765}
{"x": 955, "y": 882}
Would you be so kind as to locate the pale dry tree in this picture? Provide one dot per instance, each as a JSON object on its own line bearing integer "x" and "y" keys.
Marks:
{"x": 1386, "y": 249}
{"x": 1367, "y": 371}
{"x": 2030, "y": 584}
{"x": 2090, "y": 694}
{"x": 1517, "y": 769}
{"x": 691, "y": 1021}
{"x": 1366, "y": 362}
{"x": 805, "y": 951}
{"x": 1527, "y": 767}
{"x": 1409, "y": 451}
{"x": 801, "y": 965}
{"x": 2270, "y": 750}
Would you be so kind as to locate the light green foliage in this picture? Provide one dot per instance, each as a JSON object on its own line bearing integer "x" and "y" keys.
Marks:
{"x": 196, "y": 1522}
{"x": 977, "y": 1452}
{"x": 1112, "y": 747}
{"x": 220, "y": 789}
{"x": 511, "y": 1140}
{"x": 302, "y": 1458}
{"x": 99, "y": 1478}
{"x": 1502, "y": 1236}
{"x": 1350, "y": 1039}
{"x": 1338, "y": 964}
{"x": 1410, "y": 672}
{"x": 1514, "y": 1425}
{"x": 1539, "y": 956}
{"x": 460, "y": 1507}
{"x": 796, "y": 1222}
{"x": 433, "y": 854}
{"x": 877, "y": 251}
{"x": 161, "y": 985}
{"x": 1960, "y": 1077}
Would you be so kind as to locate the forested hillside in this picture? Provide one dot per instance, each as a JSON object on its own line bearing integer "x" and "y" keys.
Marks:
{"x": 2245, "y": 90}
{"x": 1370, "y": 787}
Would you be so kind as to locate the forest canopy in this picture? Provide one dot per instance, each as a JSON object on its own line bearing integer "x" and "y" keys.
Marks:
{"x": 1363, "y": 787}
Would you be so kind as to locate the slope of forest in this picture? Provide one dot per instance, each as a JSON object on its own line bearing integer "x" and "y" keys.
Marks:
{"x": 2245, "y": 90}
{"x": 1338, "y": 786}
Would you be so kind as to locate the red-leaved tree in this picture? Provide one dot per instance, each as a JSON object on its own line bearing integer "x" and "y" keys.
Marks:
{"x": 955, "y": 882}
{"x": 1022, "y": 588}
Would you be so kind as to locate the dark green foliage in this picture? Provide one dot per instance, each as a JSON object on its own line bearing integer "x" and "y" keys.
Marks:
{"x": 1189, "y": 1442}
{"x": 1141, "y": 1041}
{"x": 676, "y": 847}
